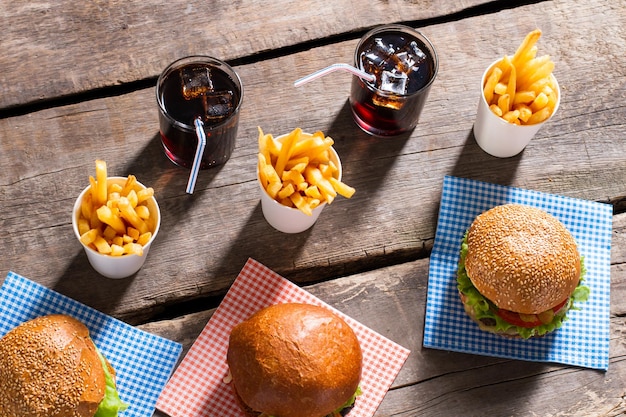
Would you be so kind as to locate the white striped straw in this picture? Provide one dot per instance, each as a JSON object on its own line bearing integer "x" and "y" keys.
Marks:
{"x": 332, "y": 68}
{"x": 193, "y": 175}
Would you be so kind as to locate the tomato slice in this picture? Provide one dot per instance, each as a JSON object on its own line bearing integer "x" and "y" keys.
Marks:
{"x": 529, "y": 321}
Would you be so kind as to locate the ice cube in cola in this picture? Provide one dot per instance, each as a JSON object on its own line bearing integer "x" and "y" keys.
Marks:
{"x": 405, "y": 64}
{"x": 196, "y": 82}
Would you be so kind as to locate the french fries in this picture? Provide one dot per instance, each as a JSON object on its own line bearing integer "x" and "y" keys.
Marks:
{"x": 114, "y": 219}
{"x": 297, "y": 170}
{"x": 521, "y": 89}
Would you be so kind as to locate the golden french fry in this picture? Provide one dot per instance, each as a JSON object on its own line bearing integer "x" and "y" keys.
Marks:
{"x": 264, "y": 145}
{"x": 540, "y": 116}
{"x": 143, "y": 212}
{"x": 505, "y": 66}
{"x": 144, "y": 238}
{"x": 83, "y": 225}
{"x": 342, "y": 188}
{"x": 301, "y": 203}
{"x": 100, "y": 196}
{"x": 542, "y": 72}
{"x": 511, "y": 116}
{"x": 313, "y": 202}
{"x": 132, "y": 233}
{"x": 271, "y": 174}
{"x": 531, "y": 66}
{"x": 490, "y": 84}
{"x": 500, "y": 88}
{"x": 107, "y": 216}
{"x": 130, "y": 184}
{"x": 273, "y": 188}
{"x": 86, "y": 206}
{"x": 262, "y": 164}
{"x": 511, "y": 86}
{"x": 313, "y": 192}
{"x": 529, "y": 41}
{"x": 144, "y": 194}
{"x": 294, "y": 176}
{"x": 132, "y": 198}
{"x": 297, "y": 164}
{"x": 93, "y": 188}
{"x": 504, "y": 102}
{"x": 133, "y": 248}
{"x": 524, "y": 111}
{"x": 102, "y": 245}
{"x": 496, "y": 110}
{"x": 89, "y": 236}
{"x": 286, "y": 150}
{"x": 286, "y": 191}
{"x": 115, "y": 188}
{"x": 326, "y": 170}
{"x": 109, "y": 233}
{"x": 116, "y": 250}
{"x": 314, "y": 176}
{"x": 524, "y": 97}
{"x": 130, "y": 215}
{"x": 539, "y": 102}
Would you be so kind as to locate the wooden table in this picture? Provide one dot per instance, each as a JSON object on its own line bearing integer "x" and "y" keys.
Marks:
{"x": 78, "y": 84}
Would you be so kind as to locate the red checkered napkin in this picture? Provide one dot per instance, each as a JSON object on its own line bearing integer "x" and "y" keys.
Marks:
{"x": 197, "y": 387}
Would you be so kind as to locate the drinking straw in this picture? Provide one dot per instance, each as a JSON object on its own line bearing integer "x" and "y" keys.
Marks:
{"x": 332, "y": 68}
{"x": 193, "y": 175}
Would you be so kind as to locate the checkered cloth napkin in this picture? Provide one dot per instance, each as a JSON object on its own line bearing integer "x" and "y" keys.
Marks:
{"x": 197, "y": 388}
{"x": 584, "y": 338}
{"x": 142, "y": 361}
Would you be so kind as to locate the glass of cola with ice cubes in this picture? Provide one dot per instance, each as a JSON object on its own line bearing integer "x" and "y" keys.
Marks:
{"x": 205, "y": 88}
{"x": 405, "y": 64}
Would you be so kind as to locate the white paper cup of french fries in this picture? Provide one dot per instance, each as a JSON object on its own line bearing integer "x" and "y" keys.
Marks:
{"x": 290, "y": 219}
{"x": 124, "y": 265}
{"x": 501, "y": 138}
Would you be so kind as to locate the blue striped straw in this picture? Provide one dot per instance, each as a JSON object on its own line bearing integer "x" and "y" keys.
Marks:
{"x": 193, "y": 175}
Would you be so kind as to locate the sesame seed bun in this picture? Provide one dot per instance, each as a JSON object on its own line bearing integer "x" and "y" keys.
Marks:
{"x": 522, "y": 258}
{"x": 294, "y": 360}
{"x": 49, "y": 367}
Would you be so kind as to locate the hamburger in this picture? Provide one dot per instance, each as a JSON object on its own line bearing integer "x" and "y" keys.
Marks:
{"x": 519, "y": 272}
{"x": 294, "y": 360}
{"x": 49, "y": 367}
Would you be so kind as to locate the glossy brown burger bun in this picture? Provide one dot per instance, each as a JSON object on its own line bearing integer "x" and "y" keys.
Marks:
{"x": 522, "y": 258}
{"x": 49, "y": 367}
{"x": 294, "y": 360}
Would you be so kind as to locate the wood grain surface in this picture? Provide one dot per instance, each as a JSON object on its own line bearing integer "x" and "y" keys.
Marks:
{"x": 78, "y": 84}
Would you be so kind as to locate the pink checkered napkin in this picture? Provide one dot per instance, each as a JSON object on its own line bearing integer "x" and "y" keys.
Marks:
{"x": 197, "y": 387}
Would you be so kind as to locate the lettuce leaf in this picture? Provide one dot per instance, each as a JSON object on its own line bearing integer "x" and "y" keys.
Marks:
{"x": 111, "y": 404}
{"x": 485, "y": 309}
{"x": 351, "y": 400}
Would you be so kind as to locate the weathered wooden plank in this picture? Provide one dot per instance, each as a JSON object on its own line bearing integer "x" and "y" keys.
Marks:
{"x": 51, "y": 50}
{"x": 392, "y": 301}
{"x": 206, "y": 238}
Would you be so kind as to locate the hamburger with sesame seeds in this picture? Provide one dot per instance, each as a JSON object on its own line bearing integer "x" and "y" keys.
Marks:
{"x": 49, "y": 367}
{"x": 519, "y": 271}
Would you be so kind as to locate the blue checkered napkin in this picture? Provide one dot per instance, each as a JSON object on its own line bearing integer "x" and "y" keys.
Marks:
{"x": 583, "y": 340}
{"x": 142, "y": 361}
